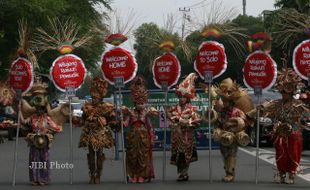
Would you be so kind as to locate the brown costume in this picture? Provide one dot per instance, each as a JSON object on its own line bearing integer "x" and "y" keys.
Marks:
{"x": 97, "y": 121}
{"x": 231, "y": 123}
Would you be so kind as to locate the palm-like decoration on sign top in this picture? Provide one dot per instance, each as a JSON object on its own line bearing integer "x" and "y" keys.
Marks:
{"x": 166, "y": 68}
{"x": 214, "y": 24}
{"x": 218, "y": 33}
{"x": 294, "y": 26}
{"x": 291, "y": 26}
{"x": 67, "y": 70}
{"x": 62, "y": 36}
{"x": 117, "y": 61}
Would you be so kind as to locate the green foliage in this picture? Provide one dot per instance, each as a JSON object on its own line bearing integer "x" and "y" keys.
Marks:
{"x": 146, "y": 51}
{"x": 302, "y": 6}
{"x": 36, "y": 13}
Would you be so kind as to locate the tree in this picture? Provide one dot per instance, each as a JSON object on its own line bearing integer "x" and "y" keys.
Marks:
{"x": 36, "y": 14}
{"x": 300, "y": 5}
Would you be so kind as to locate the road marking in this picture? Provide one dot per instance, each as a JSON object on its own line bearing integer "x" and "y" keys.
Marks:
{"x": 269, "y": 157}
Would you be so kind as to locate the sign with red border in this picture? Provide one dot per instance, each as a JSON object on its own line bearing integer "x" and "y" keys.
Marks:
{"x": 68, "y": 71}
{"x": 166, "y": 68}
{"x": 211, "y": 57}
{"x": 21, "y": 75}
{"x": 259, "y": 71}
{"x": 301, "y": 59}
{"x": 118, "y": 62}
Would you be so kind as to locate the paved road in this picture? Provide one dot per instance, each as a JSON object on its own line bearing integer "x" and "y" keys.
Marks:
{"x": 113, "y": 176}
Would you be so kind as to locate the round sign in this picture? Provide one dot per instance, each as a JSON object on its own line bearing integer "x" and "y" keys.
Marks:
{"x": 166, "y": 68}
{"x": 68, "y": 71}
{"x": 118, "y": 62}
{"x": 211, "y": 57}
{"x": 301, "y": 59}
{"x": 259, "y": 70}
{"x": 21, "y": 75}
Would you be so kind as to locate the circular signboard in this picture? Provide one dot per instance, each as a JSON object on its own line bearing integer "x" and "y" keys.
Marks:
{"x": 211, "y": 57}
{"x": 118, "y": 62}
{"x": 301, "y": 59}
{"x": 21, "y": 75}
{"x": 68, "y": 71}
{"x": 166, "y": 68}
{"x": 259, "y": 71}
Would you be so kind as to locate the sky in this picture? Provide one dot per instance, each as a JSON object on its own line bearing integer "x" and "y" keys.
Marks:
{"x": 156, "y": 10}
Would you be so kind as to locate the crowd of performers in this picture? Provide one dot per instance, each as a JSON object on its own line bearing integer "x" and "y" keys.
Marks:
{"x": 232, "y": 112}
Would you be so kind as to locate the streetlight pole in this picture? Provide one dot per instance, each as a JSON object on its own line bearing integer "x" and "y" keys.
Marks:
{"x": 185, "y": 16}
{"x": 244, "y": 7}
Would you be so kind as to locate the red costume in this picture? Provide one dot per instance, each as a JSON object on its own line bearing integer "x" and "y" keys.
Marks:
{"x": 288, "y": 115}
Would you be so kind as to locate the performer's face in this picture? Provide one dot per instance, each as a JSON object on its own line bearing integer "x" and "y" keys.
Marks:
{"x": 183, "y": 100}
{"x": 96, "y": 100}
{"x": 140, "y": 107}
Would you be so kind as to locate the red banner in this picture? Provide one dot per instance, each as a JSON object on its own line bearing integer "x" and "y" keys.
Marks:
{"x": 118, "y": 62}
{"x": 21, "y": 75}
{"x": 68, "y": 71}
{"x": 301, "y": 59}
{"x": 211, "y": 57}
{"x": 166, "y": 68}
{"x": 259, "y": 70}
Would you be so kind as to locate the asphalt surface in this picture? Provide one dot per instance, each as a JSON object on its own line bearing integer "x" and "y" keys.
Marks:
{"x": 113, "y": 173}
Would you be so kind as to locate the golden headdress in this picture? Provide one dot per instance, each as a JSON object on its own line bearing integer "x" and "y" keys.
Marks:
{"x": 138, "y": 91}
{"x": 98, "y": 88}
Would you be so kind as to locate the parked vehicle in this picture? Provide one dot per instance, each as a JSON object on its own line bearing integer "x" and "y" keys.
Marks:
{"x": 266, "y": 125}
{"x": 76, "y": 107}
{"x": 265, "y": 132}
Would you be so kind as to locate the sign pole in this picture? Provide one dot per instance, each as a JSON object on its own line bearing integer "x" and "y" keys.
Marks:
{"x": 119, "y": 83}
{"x": 117, "y": 111}
{"x": 258, "y": 93}
{"x": 70, "y": 92}
{"x": 71, "y": 142}
{"x": 164, "y": 86}
{"x": 18, "y": 92}
{"x": 208, "y": 79}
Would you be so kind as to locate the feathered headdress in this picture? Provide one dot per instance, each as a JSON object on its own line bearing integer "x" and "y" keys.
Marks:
{"x": 288, "y": 80}
{"x": 187, "y": 87}
{"x": 139, "y": 93}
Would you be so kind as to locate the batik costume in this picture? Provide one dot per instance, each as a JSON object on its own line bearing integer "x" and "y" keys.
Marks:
{"x": 140, "y": 134}
{"x": 184, "y": 120}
